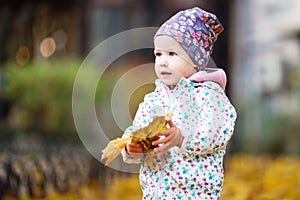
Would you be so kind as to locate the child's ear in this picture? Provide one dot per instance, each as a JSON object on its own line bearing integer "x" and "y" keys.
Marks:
{"x": 195, "y": 67}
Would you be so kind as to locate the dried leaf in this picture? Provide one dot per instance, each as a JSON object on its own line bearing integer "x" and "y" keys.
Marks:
{"x": 113, "y": 149}
{"x": 144, "y": 135}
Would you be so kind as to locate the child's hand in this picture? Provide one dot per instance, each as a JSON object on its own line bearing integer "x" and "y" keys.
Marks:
{"x": 172, "y": 137}
{"x": 135, "y": 150}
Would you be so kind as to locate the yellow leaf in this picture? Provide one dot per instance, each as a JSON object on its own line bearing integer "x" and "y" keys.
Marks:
{"x": 144, "y": 136}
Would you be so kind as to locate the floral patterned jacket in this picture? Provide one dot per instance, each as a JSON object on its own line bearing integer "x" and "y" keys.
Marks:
{"x": 206, "y": 119}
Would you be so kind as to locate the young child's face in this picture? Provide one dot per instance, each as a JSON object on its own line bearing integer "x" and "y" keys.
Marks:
{"x": 171, "y": 61}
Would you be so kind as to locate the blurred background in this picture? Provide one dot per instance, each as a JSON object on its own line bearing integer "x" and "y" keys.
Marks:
{"x": 43, "y": 44}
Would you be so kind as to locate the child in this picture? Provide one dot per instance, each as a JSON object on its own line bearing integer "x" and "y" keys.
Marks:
{"x": 188, "y": 157}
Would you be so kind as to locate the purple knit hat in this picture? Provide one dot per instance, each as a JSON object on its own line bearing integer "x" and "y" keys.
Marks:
{"x": 196, "y": 31}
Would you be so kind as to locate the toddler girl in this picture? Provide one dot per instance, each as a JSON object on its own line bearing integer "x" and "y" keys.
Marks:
{"x": 188, "y": 157}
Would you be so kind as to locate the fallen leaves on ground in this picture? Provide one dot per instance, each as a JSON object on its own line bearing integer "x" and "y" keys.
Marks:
{"x": 246, "y": 178}
{"x": 262, "y": 178}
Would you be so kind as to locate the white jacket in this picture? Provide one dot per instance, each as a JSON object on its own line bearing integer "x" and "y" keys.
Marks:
{"x": 206, "y": 119}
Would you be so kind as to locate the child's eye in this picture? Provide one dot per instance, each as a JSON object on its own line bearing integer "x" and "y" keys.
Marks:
{"x": 172, "y": 53}
{"x": 157, "y": 54}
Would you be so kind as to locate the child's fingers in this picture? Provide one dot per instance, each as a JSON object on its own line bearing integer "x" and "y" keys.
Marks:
{"x": 162, "y": 149}
{"x": 171, "y": 124}
{"x": 134, "y": 148}
{"x": 172, "y": 138}
{"x": 162, "y": 138}
{"x": 168, "y": 132}
{"x": 135, "y": 151}
{"x": 156, "y": 137}
{"x": 161, "y": 141}
{"x": 134, "y": 145}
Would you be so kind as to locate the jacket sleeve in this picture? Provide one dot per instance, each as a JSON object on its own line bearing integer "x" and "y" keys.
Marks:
{"x": 141, "y": 119}
{"x": 215, "y": 118}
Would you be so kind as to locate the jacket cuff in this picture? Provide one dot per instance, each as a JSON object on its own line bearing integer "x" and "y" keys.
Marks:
{"x": 127, "y": 157}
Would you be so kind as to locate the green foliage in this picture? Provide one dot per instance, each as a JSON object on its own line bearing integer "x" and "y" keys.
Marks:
{"x": 268, "y": 125}
{"x": 41, "y": 95}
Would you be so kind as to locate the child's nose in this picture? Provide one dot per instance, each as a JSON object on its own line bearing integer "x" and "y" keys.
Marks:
{"x": 163, "y": 62}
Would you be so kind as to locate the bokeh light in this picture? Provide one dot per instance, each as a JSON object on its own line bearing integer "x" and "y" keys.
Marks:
{"x": 22, "y": 55}
{"x": 61, "y": 38}
{"x": 47, "y": 47}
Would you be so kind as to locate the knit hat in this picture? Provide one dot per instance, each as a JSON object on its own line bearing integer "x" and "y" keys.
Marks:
{"x": 196, "y": 31}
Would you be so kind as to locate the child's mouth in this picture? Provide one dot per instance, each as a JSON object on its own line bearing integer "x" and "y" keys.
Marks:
{"x": 165, "y": 73}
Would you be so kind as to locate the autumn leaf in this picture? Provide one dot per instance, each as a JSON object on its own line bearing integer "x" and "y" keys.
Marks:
{"x": 144, "y": 136}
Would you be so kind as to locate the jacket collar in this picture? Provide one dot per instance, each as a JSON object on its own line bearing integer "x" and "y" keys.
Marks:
{"x": 184, "y": 85}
